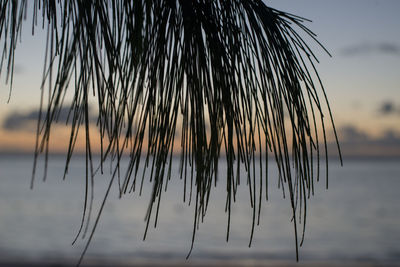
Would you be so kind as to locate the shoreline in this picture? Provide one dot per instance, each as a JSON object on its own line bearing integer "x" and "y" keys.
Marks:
{"x": 198, "y": 263}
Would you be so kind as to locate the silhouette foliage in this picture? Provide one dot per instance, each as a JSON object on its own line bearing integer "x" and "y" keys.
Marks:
{"x": 235, "y": 79}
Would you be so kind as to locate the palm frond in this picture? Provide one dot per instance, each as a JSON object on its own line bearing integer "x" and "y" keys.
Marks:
{"x": 235, "y": 79}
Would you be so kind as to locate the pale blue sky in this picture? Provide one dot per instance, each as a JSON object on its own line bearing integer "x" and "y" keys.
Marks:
{"x": 363, "y": 37}
{"x": 361, "y": 78}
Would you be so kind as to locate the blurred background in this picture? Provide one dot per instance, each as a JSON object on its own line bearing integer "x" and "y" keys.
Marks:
{"x": 355, "y": 221}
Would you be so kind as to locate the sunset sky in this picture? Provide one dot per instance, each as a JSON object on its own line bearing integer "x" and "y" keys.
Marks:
{"x": 362, "y": 78}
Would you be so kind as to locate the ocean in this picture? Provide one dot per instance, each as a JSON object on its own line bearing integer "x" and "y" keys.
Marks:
{"x": 356, "y": 220}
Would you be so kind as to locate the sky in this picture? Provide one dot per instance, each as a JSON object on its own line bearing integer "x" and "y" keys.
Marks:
{"x": 361, "y": 78}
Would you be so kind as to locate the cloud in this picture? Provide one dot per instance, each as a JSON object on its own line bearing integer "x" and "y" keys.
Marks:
{"x": 388, "y": 48}
{"x": 366, "y": 48}
{"x": 27, "y": 121}
{"x": 388, "y": 108}
{"x": 352, "y": 134}
{"x": 17, "y": 121}
{"x": 355, "y": 142}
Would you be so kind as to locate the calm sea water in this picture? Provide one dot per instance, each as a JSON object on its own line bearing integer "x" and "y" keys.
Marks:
{"x": 357, "y": 219}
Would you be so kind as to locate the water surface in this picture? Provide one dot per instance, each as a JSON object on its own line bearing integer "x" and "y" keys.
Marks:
{"x": 357, "y": 219}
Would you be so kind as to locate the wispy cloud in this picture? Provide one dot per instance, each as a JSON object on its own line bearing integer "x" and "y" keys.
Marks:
{"x": 368, "y": 48}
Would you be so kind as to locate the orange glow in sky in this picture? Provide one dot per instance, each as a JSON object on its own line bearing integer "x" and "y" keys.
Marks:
{"x": 361, "y": 78}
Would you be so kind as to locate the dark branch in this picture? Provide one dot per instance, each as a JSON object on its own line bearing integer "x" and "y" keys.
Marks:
{"x": 235, "y": 76}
